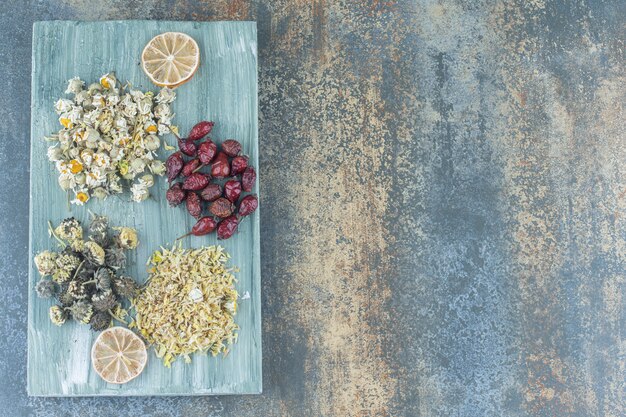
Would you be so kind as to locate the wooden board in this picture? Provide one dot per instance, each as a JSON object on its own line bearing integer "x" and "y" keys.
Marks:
{"x": 224, "y": 90}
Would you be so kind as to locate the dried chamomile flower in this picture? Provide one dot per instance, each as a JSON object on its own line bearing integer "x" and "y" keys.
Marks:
{"x": 58, "y": 315}
{"x": 74, "y": 86}
{"x": 100, "y": 320}
{"x": 45, "y": 262}
{"x": 109, "y": 132}
{"x": 104, "y": 300}
{"x": 69, "y": 229}
{"x": 127, "y": 237}
{"x": 81, "y": 311}
{"x": 45, "y": 288}
{"x": 94, "y": 253}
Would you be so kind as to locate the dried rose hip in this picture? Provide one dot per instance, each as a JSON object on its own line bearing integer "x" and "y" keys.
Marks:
{"x": 221, "y": 208}
{"x": 248, "y": 179}
{"x": 200, "y": 130}
{"x": 204, "y": 226}
{"x": 232, "y": 190}
{"x": 193, "y": 205}
{"x": 187, "y": 147}
{"x": 196, "y": 182}
{"x": 231, "y": 147}
{"x": 227, "y": 227}
{"x": 175, "y": 195}
{"x": 248, "y": 205}
{"x": 238, "y": 165}
{"x": 220, "y": 167}
{"x": 207, "y": 151}
{"x": 190, "y": 167}
{"x": 211, "y": 192}
{"x": 173, "y": 165}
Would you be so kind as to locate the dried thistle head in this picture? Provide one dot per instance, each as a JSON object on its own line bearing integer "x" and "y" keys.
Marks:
{"x": 69, "y": 229}
{"x": 61, "y": 275}
{"x": 115, "y": 257}
{"x": 103, "y": 278}
{"x": 81, "y": 311}
{"x": 98, "y": 230}
{"x": 94, "y": 253}
{"x": 67, "y": 261}
{"x": 76, "y": 290}
{"x": 103, "y": 300}
{"x": 125, "y": 286}
{"x": 64, "y": 296}
{"x": 58, "y": 315}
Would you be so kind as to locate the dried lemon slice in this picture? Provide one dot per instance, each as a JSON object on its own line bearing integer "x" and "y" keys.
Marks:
{"x": 170, "y": 59}
{"x": 118, "y": 355}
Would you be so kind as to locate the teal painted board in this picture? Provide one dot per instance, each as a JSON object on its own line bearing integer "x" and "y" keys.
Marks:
{"x": 224, "y": 90}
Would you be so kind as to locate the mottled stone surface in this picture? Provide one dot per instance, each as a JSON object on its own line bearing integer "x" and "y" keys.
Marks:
{"x": 444, "y": 207}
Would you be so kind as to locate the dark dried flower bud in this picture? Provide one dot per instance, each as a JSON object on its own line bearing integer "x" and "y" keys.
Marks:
{"x": 101, "y": 320}
{"x": 103, "y": 277}
{"x": 103, "y": 300}
{"x": 125, "y": 286}
{"x": 65, "y": 297}
{"x": 45, "y": 288}
{"x": 115, "y": 257}
{"x": 98, "y": 228}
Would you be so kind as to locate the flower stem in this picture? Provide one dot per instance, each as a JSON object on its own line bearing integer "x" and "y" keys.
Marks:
{"x": 51, "y": 231}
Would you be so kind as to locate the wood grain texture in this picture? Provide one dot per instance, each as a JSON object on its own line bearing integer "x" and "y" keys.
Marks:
{"x": 223, "y": 90}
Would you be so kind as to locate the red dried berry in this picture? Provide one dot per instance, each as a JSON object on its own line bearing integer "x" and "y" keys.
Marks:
{"x": 175, "y": 195}
{"x": 204, "y": 226}
{"x": 232, "y": 190}
{"x": 207, "y": 151}
{"x": 220, "y": 167}
{"x": 200, "y": 130}
{"x": 187, "y": 147}
{"x": 190, "y": 167}
{"x": 248, "y": 179}
{"x": 196, "y": 182}
{"x": 221, "y": 208}
{"x": 211, "y": 192}
{"x": 238, "y": 165}
{"x": 227, "y": 227}
{"x": 248, "y": 205}
{"x": 193, "y": 205}
{"x": 173, "y": 165}
{"x": 231, "y": 147}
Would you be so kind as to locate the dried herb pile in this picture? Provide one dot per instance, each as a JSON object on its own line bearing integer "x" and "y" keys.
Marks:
{"x": 109, "y": 136}
{"x": 188, "y": 304}
{"x": 84, "y": 276}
